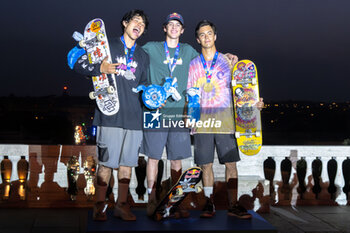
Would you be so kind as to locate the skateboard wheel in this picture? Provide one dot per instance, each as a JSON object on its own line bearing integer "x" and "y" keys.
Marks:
{"x": 110, "y": 89}
{"x": 254, "y": 82}
{"x": 179, "y": 191}
{"x": 198, "y": 189}
{"x": 237, "y": 134}
{"x": 92, "y": 95}
{"x": 100, "y": 37}
{"x": 82, "y": 43}
{"x": 233, "y": 83}
{"x": 257, "y": 134}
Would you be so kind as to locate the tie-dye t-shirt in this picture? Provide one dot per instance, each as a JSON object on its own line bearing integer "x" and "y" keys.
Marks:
{"x": 216, "y": 98}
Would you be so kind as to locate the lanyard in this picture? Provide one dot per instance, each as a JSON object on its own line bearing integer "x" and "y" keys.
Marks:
{"x": 176, "y": 55}
{"x": 209, "y": 72}
{"x": 129, "y": 56}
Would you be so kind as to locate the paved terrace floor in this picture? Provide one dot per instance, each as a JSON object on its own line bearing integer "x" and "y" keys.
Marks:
{"x": 284, "y": 219}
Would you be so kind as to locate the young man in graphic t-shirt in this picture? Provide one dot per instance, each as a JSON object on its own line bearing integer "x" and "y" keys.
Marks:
{"x": 119, "y": 136}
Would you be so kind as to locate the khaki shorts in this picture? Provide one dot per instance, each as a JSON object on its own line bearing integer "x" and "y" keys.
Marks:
{"x": 118, "y": 147}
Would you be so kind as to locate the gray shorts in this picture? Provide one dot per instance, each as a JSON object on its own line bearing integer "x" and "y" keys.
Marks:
{"x": 177, "y": 142}
{"x": 118, "y": 147}
{"x": 204, "y": 148}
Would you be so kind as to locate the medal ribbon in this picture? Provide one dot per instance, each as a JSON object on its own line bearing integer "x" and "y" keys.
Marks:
{"x": 128, "y": 56}
{"x": 209, "y": 72}
{"x": 176, "y": 55}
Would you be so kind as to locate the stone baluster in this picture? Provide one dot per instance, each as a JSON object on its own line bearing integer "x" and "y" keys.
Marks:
{"x": 90, "y": 175}
{"x": 316, "y": 174}
{"x": 269, "y": 173}
{"x": 346, "y": 175}
{"x": 6, "y": 172}
{"x": 159, "y": 178}
{"x": 286, "y": 169}
{"x": 22, "y": 171}
{"x": 141, "y": 176}
{"x": 111, "y": 193}
{"x": 332, "y": 167}
{"x": 73, "y": 169}
{"x": 301, "y": 174}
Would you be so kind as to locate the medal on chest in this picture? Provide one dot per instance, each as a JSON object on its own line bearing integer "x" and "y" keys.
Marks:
{"x": 208, "y": 86}
{"x": 129, "y": 75}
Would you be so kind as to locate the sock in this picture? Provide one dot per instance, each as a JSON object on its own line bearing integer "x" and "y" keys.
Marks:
{"x": 208, "y": 191}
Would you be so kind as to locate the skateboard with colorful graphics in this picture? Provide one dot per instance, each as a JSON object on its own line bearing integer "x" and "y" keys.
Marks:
{"x": 186, "y": 184}
{"x": 95, "y": 43}
{"x": 245, "y": 88}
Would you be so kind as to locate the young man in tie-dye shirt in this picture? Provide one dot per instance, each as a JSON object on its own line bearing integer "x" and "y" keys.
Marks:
{"x": 211, "y": 74}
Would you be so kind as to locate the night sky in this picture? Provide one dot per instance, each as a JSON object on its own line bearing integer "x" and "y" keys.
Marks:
{"x": 301, "y": 48}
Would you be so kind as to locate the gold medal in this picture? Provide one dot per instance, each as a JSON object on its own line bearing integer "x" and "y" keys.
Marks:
{"x": 208, "y": 87}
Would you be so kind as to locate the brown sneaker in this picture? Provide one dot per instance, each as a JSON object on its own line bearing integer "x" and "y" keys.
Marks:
{"x": 123, "y": 211}
{"x": 178, "y": 212}
{"x": 99, "y": 213}
{"x": 209, "y": 209}
{"x": 239, "y": 212}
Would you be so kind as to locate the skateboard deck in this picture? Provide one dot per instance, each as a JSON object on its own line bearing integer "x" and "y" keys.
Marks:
{"x": 245, "y": 88}
{"x": 186, "y": 184}
{"x": 105, "y": 87}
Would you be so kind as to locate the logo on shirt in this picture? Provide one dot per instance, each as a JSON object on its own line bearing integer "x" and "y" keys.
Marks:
{"x": 151, "y": 120}
{"x": 178, "y": 62}
{"x": 122, "y": 68}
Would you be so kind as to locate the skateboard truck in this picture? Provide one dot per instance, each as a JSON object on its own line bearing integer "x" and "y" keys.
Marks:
{"x": 244, "y": 82}
{"x": 247, "y": 133}
{"x": 94, "y": 94}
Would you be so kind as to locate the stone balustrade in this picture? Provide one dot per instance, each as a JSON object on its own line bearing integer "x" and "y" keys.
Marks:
{"x": 275, "y": 167}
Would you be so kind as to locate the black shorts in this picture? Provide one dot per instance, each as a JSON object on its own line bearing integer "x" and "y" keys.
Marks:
{"x": 204, "y": 148}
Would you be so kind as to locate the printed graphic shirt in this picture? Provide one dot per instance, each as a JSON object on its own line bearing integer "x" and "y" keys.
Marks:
{"x": 129, "y": 115}
{"x": 216, "y": 101}
{"x": 159, "y": 70}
